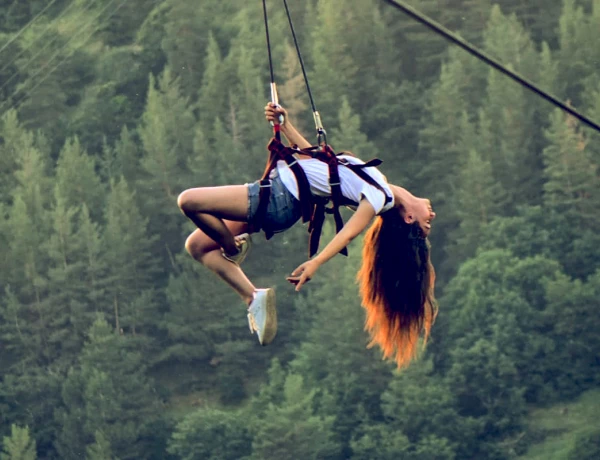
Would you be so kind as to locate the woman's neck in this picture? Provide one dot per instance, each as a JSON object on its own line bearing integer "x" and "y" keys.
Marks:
{"x": 403, "y": 197}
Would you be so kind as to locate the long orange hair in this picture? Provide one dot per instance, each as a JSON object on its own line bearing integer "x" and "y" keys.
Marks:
{"x": 396, "y": 282}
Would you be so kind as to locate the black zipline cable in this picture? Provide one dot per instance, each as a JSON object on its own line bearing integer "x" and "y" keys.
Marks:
{"x": 448, "y": 35}
{"x": 287, "y": 12}
{"x": 264, "y": 2}
{"x": 321, "y": 133}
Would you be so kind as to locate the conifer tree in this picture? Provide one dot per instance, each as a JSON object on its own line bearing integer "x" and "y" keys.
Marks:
{"x": 19, "y": 446}
{"x": 211, "y": 434}
{"x": 168, "y": 143}
{"x": 478, "y": 200}
{"x": 15, "y": 141}
{"x": 122, "y": 159}
{"x": 293, "y": 90}
{"x": 335, "y": 347}
{"x": 349, "y": 135}
{"x": 131, "y": 253}
{"x": 571, "y": 194}
{"x": 212, "y": 95}
{"x": 107, "y": 392}
{"x": 572, "y": 305}
{"x": 100, "y": 450}
{"x": 76, "y": 180}
{"x": 578, "y": 57}
{"x": 334, "y": 67}
{"x": 293, "y": 426}
{"x": 420, "y": 405}
{"x": 379, "y": 440}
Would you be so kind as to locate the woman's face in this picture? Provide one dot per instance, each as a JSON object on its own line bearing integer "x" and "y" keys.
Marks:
{"x": 413, "y": 209}
{"x": 422, "y": 212}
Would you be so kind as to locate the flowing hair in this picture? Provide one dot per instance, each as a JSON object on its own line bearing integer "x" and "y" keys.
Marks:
{"x": 396, "y": 282}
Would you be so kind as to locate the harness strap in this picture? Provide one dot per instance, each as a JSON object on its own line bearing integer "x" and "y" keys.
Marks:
{"x": 278, "y": 151}
{"x": 313, "y": 207}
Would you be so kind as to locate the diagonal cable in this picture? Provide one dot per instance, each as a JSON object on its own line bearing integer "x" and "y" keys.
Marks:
{"x": 452, "y": 37}
{"x": 26, "y": 26}
{"x": 36, "y": 55}
{"x": 48, "y": 43}
{"x": 28, "y": 93}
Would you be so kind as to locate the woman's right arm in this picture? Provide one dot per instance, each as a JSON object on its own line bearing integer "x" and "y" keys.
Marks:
{"x": 272, "y": 113}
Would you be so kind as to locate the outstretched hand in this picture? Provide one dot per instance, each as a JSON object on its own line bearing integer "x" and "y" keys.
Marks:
{"x": 303, "y": 273}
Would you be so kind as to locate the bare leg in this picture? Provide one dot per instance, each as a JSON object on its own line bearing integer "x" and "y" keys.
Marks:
{"x": 208, "y": 207}
{"x": 208, "y": 253}
{"x": 219, "y": 213}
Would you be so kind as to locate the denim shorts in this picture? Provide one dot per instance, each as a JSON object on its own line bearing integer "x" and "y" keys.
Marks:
{"x": 283, "y": 210}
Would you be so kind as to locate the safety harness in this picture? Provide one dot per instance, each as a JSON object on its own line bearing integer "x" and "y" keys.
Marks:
{"x": 313, "y": 207}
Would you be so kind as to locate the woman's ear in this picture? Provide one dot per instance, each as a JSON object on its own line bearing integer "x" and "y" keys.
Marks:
{"x": 409, "y": 218}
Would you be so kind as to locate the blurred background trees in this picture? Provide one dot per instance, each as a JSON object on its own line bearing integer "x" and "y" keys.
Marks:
{"x": 115, "y": 344}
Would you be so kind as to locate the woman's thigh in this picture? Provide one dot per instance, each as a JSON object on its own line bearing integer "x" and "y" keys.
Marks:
{"x": 227, "y": 202}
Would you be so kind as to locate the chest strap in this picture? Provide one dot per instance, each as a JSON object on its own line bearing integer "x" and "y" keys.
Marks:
{"x": 313, "y": 207}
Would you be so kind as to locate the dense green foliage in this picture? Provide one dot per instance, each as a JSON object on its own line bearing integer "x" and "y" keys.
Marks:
{"x": 115, "y": 344}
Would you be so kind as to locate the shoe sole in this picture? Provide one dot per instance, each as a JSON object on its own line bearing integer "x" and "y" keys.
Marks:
{"x": 271, "y": 323}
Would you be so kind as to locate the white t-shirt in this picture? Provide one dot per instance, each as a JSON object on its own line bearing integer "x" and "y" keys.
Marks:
{"x": 353, "y": 187}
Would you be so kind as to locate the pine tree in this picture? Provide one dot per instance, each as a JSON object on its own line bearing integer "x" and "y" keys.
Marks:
{"x": 334, "y": 68}
{"x": 419, "y": 405}
{"x": 76, "y": 180}
{"x": 100, "y": 450}
{"x": 571, "y": 306}
{"x": 107, "y": 392}
{"x": 195, "y": 299}
{"x": 292, "y": 426}
{"x": 485, "y": 381}
{"x": 211, "y": 434}
{"x": 349, "y": 137}
{"x": 479, "y": 197}
{"x": 335, "y": 346}
{"x": 19, "y": 446}
{"x": 292, "y": 92}
{"x": 571, "y": 194}
{"x": 578, "y": 57}
{"x": 131, "y": 254}
{"x": 379, "y": 441}
{"x": 123, "y": 159}
{"x": 168, "y": 143}
{"x": 15, "y": 141}
{"x": 571, "y": 180}
{"x": 212, "y": 97}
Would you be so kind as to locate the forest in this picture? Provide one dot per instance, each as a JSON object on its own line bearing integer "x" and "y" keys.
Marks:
{"x": 116, "y": 344}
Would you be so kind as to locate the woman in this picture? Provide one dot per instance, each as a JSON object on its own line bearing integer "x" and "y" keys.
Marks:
{"x": 396, "y": 277}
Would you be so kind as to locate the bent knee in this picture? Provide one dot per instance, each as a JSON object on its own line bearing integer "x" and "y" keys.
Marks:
{"x": 185, "y": 201}
{"x": 198, "y": 245}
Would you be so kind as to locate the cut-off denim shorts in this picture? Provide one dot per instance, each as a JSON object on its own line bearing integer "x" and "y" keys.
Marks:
{"x": 283, "y": 210}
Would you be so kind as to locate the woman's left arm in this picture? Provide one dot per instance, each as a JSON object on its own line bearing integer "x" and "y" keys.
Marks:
{"x": 355, "y": 225}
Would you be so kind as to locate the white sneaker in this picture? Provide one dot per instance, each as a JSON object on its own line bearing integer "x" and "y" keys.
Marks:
{"x": 243, "y": 243}
{"x": 262, "y": 315}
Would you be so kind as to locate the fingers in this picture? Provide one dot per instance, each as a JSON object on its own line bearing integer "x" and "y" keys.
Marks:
{"x": 299, "y": 281}
{"x": 274, "y": 112}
